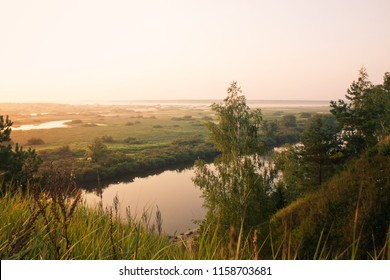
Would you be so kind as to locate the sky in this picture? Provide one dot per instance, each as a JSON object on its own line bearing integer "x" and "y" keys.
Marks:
{"x": 108, "y": 50}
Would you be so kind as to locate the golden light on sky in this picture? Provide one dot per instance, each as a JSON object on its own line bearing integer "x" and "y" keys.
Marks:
{"x": 70, "y": 51}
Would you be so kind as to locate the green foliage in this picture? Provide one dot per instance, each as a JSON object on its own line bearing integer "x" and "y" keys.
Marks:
{"x": 293, "y": 168}
{"x": 305, "y": 166}
{"x": 237, "y": 191}
{"x": 132, "y": 140}
{"x": 269, "y": 134}
{"x": 305, "y": 115}
{"x": 365, "y": 116}
{"x": 283, "y": 131}
{"x": 35, "y": 141}
{"x": 321, "y": 145}
{"x": 16, "y": 164}
{"x": 5, "y": 129}
{"x": 350, "y": 211}
{"x": 97, "y": 150}
{"x": 117, "y": 163}
{"x": 289, "y": 120}
{"x": 236, "y": 132}
{"x": 108, "y": 139}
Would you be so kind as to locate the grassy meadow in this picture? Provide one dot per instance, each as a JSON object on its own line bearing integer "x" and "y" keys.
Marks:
{"x": 152, "y": 126}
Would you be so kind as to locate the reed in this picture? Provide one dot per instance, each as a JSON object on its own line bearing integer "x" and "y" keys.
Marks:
{"x": 37, "y": 225}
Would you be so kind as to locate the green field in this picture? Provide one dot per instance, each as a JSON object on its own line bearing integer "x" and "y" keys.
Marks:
{"x": 152, "y": 126}
{"x": 138, "y": 137}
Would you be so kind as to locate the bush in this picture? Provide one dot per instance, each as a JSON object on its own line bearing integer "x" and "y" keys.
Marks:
{"x": 107, "y": 139}
{"x": 132, "y": 140}
{"x": 278, "y": 113}
{"x": 35, "y": 141}
{"x": 185, "y": 118}
{"x": 289, "y": 120}
{"x": 64, "y": 150}
{"x": 305, "y": 115}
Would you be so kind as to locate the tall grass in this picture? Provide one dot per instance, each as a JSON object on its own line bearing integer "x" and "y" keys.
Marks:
{"x": 44, "y": 225}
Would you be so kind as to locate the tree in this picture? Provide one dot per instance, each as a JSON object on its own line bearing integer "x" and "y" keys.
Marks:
{"x": 289, "y": 120}
{"x": 16, "y": 165}
{"x": 306, "y": 165}
{"x": 365, "y": 116}
{"x": 97, "y": 150}
{"x": 236, "y": 133}
{"x": 5, "y": 129}
{"x": 321, "y": 145}
{"x": 290, "y": 162}
{"x": 269, "y": 130}
{"x": 236, "y": 190}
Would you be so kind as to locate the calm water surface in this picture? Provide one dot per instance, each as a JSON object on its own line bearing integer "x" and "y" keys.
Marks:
{"x": 46, "y": 125}
{"x": 172, "y": 191}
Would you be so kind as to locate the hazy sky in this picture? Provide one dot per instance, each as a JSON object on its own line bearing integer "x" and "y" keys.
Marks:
{"x": 65, "y": 51}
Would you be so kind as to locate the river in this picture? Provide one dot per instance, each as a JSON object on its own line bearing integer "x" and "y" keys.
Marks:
{"x": 173, "y": 191}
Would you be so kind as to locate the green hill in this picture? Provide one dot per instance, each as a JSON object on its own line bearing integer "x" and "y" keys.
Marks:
{"x": 348, "y": 217}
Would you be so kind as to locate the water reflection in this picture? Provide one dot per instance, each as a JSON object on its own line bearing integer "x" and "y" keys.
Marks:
{"x": 46, "y": 125}
{"x": 172, "y": 191}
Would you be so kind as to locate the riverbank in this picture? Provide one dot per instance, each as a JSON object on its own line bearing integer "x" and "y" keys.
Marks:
{"x": 140, "y": 137}
{"x": 116, "y": 164}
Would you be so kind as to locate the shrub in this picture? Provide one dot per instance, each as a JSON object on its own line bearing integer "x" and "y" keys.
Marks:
{"x": 289, "y": 121}
{"x": 185, "y": 118}
{"x": 133, "y": 140}
{"x": 35, "y": 141}
{"x": 64, "y": 150}
{"x": 107, "y": 139}
{"x": 305, "y": 115}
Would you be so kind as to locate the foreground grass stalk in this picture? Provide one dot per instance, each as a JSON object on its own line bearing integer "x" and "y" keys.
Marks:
{"x": 32, "y": 228}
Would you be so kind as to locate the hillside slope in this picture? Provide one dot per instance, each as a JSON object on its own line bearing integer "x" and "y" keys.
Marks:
{"x": 346, "y": 218}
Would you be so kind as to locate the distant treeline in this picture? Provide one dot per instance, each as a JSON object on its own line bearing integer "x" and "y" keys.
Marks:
{"x": 102, "y": 163}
